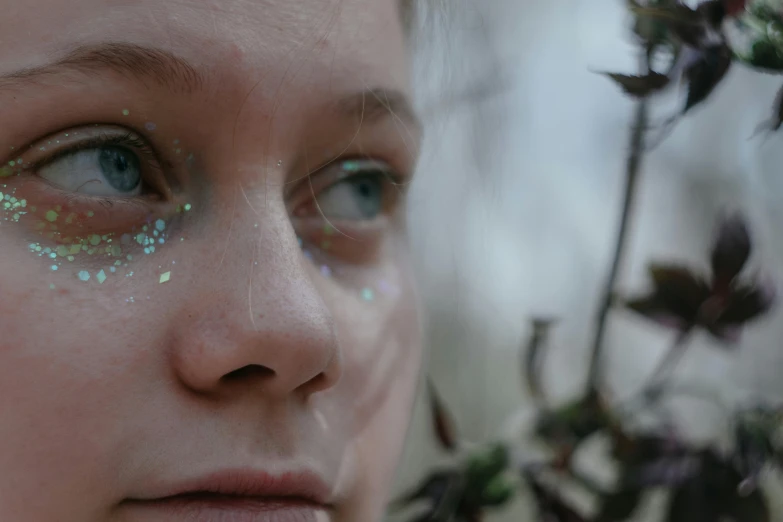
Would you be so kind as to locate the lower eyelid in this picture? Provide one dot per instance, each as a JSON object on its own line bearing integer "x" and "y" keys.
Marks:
{"x": 80, "y": 213}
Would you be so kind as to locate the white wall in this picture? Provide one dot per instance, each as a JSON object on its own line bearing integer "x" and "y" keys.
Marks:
{"x": 514, "y": 211}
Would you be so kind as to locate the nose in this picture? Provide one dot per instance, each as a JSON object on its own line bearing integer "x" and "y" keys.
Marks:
{"x": 263, "y": 330}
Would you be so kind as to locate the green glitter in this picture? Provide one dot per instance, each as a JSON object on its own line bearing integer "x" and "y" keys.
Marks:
{"x": 117, "y": 263}
{"x": 75, "y": 249}
{"x": 62, "y": 250}
{"x": 70, "y": 258}
{"x": 160, "y": 225}
{"x": 84, "y": 275}
{"x": 368, "y": 294}
{"x": 130, "y": 257}
{"x": 116, "y": 250}
{"x": 51, "y": 286}
{"x": 53, "y": 255}
{"x": 328, "y": 229}
{"x": 125, "y": 112}
{"x": 33, "y": 208}
{"x": 6, "y": 171}
{"x": 165, "y": 277}
{"x": 54, "y": 267}
{"x": 187, "y": 207}
{"x": 23, "y": 203}
{"x": 352, "y": 166}
{"x": 95, "y": 240}
{"x": 11, "y": 163}
{"x": 90, "y": 213}
{"x": 101, "y": 276}
{"x": 51, "y": 216}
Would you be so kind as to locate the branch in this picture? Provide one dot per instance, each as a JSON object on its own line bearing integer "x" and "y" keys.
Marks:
{"x": 633, "y": 168}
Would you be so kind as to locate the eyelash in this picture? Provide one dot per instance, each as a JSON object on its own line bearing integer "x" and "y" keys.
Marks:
{"x": 129, "y": 140}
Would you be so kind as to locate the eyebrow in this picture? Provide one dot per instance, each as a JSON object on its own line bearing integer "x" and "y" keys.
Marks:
{"x": 176, "y": 74}
{"x": 129, "y": 60}
{"x": 374, "y": 104}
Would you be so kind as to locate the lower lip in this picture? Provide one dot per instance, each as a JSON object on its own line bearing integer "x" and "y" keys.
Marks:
{"x": 228, "y": 509}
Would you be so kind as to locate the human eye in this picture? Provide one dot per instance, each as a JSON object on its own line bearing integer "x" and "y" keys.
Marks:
{"x": 99, "y": 162}
{"x": 95, "y": 194}
{"x": 352, "y": 191}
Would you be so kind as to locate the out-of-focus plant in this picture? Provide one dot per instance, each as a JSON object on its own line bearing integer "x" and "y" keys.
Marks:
{"x": 682, "y": 46}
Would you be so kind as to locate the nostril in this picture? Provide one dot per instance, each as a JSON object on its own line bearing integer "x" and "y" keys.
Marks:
{"x": 249, "y": 372}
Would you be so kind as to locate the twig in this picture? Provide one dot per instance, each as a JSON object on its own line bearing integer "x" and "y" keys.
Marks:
{"x": 633, "y": 167}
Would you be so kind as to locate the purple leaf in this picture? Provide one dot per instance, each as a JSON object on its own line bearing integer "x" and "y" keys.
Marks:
{"x": 676, "y": 299}
{"x": 551, "y": 507}
{"x": 640, "y": 86}
{"x": 705, "y": 74}
{"x": 746, "y": 303}
{"x": 442, "y": 420}
{"x": 731, "y": 250}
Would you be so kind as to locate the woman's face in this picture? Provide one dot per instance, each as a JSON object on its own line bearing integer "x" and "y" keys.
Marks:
{"x": 207, "y": 311}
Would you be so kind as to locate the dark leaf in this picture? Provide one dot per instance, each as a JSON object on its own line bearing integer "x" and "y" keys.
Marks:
{"x": 649, "y": 461}
{"x": 533, "y": 356}
{"x": 704, "y": 75}
{"x": 714, "y": 12}
{"x": 472, "y": 516}
{"x": 677, "y": 297}
{"x": 749, "y": 508}
{"x": 764, "y": 55}
{"x": 694, "y": 502}
{"x": 753, "y": 435}
{"x": 551, "y": 507}
{"x": 433, "y": 489}
{"x": 734, "y": 7}
{"x": 498, "y": 492}
{"x": 442, "y": 420}
{"x": 640, "y": 86}
{"x": 713, "y": 496}
{"x": 485, "y": 466}
{"x": 746, "y": 303}
{"x": 686, "y": 24}
{"x": 731, "y": 250}
{"x": 617, "y": 507}
{"x": 569, "y": 425}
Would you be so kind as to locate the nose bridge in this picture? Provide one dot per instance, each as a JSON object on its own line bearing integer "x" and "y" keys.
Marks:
{"x": 261, "y": 319}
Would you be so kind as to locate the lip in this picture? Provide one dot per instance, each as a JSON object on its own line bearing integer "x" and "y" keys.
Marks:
{"x": 239, "y": 496}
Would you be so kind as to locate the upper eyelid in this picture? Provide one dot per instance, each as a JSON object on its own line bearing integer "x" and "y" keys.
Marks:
{"x": 95, "y": 141}
{"x": 112, "y": 135}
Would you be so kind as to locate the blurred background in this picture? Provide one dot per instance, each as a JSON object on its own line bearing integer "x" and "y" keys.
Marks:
{"x": 515, "y": 209}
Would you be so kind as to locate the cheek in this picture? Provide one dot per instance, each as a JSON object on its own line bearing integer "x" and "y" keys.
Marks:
{"x": 64, "y": 392}
{"x": 379, "y": 384}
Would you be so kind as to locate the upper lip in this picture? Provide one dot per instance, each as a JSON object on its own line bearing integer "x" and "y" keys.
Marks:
{"x": 301, "y": 486}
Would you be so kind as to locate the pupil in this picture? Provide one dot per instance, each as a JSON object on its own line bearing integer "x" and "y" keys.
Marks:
{"x": 120, "y": 168}
{"x": 369, "y": 191}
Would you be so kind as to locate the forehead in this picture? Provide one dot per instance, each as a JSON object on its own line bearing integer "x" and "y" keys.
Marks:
{"x": 357, "y": 40}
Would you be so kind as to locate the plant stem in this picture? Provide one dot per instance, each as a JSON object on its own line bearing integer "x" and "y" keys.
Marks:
{"x": 632, "y": 171}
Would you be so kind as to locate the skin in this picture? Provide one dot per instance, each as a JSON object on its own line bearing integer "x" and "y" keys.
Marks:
{"x": 249, "y": 357}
